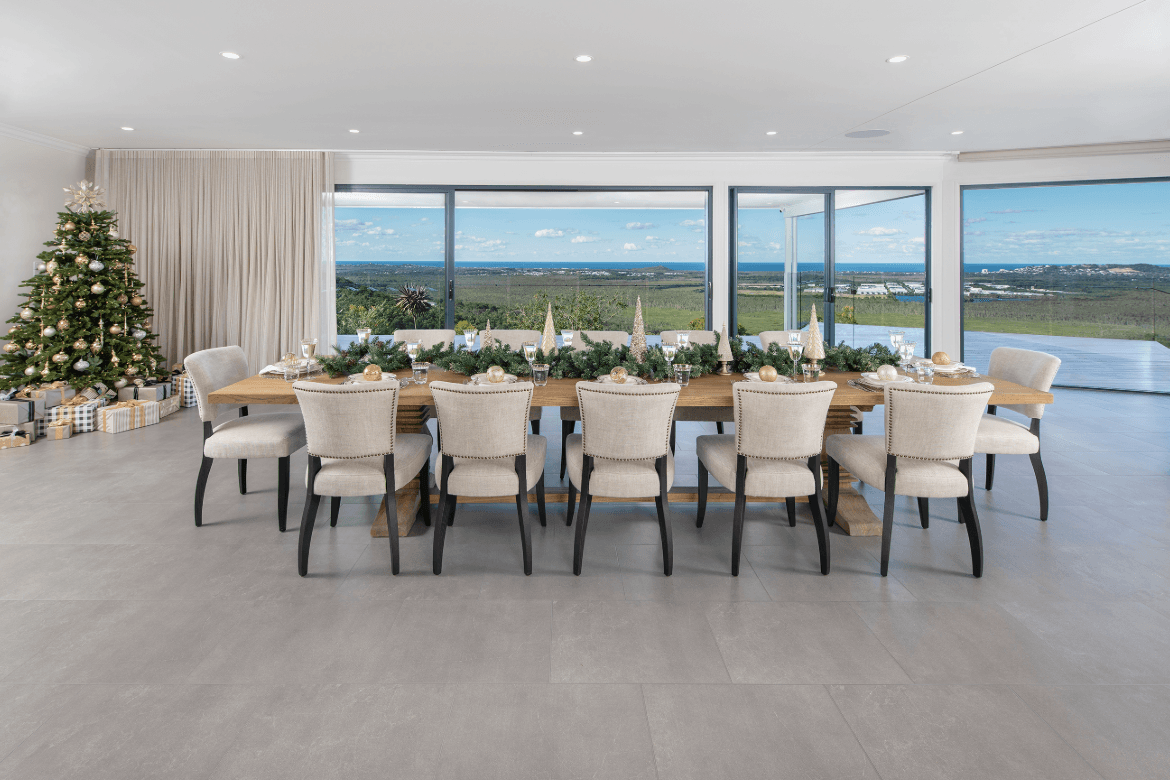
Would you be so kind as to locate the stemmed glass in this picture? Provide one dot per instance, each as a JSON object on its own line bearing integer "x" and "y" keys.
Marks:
{"x": 566, "y": 338}
{"x": 795, "y": 350}
{"x": 529, "y": 353}
{"x": 412, "y": 350}
{"x": 896, "y": 339}
{"x": 469, "y": 335}
{"x": 308, "y": 348}
{"x": 906, "y": 351}
{"x": 684, "y": 340}
{"x": 668, "y": 352}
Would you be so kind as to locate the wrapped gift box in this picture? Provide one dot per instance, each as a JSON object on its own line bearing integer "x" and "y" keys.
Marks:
{"x": 80, "y": 415}
{"x": 127, "y": 415}
{"x": 168, "y": 406}
{"x": 53, "y": 396}
{"x": 18, "y": 435}
{"x": 57, "y": 430}
{"x": 149, "y": 393}
{"x": 182, "y": 386}
{"x": 21, "y": 410}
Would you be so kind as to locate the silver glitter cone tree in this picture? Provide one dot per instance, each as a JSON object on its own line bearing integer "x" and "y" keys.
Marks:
{"x": 84, "y": 318}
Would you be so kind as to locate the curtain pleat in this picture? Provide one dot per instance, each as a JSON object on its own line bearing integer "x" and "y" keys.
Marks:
{"x": 231, "y": 245}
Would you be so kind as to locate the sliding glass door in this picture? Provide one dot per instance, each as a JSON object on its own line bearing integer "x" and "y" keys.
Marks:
{"x": 860, "y": 255}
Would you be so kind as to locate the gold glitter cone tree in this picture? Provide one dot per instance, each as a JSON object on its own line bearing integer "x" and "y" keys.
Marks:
{"x": 548, "y": 340}
{"x": 814, "y": 348}
{"x": 486, "y": 340}
{"x": 638, "y": 338}
{"x": 83, "y": 319}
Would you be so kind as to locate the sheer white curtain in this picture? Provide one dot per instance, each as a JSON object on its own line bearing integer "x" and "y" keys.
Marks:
{"x": 231, "y": 244}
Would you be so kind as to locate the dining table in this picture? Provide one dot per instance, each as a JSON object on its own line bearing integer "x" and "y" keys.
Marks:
{"x": 416, "y": 406}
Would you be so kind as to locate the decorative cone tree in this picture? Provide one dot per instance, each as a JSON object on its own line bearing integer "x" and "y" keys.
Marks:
{"x": 84, "y": 319}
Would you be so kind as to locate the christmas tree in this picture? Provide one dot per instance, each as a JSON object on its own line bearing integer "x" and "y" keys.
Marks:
{"x": 84, "y": 319}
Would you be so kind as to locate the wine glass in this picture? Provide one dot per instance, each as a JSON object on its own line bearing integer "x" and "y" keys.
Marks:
{"x": 906, "y": 350}
{"x": 896, "y": 339}
{"x": 684, "y": 339}
{"x": 529, "y": 353}
{"x": 795, "y": 350}
{"x": 668, "y": 352}
{"x": 469, "y": 335}
{"x": 566, "y": 338}
{"x": 308, "y": 348}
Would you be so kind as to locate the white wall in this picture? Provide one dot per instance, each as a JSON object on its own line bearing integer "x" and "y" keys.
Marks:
{"x": 32, "y": 176}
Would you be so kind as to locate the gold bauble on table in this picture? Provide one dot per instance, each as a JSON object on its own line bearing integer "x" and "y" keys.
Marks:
{"x": 496, "y": 374}
{"x": 372, "y": 373}
{"x": 887, "y": 373}
{"x": 115, "y": 329}
{"x": 136, "y": 300}
{"x": 80, "y": 344}
{"x": 618, "y": 375}
{"x": 940, "y": 358}
{"x": 768, "y": 373}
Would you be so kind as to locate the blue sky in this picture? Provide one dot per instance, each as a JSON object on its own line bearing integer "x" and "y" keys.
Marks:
{"x": 1097, "y": 223}
{"x": 484, "y": 235}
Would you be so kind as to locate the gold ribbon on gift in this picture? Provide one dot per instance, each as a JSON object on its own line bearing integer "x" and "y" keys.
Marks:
{"x": 60, "y": 424}
{"x": 80, "y": 399}
{"x": 137, "y": 418}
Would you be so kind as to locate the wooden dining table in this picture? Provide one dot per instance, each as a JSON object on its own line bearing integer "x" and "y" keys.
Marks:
{"x": 415, "y": 406}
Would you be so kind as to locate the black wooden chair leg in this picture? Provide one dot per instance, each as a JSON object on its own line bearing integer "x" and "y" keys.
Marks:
{"x": 334, "y": 510}
{"x": 719, "y": 428}
{"x": 571, "y": 505}
{"x": 740, "y": 510}
{"x": 888, "y": 515}
{"x": 1041, "y": 484}
{"x": 582, "y": 516}
{"x": 672, "y": 432}
{"x": 790, "y": 505}
{"x": 702, "y": 510}
{"x": 242, "y": 471}
{"x": 567, "y": 427}
{"x": 447, "y": 504}
{"x": 391, "y": 525}
{"x": 200, "y": 487}
{"x": 424, "y": 488}
{"x": 817, "y": 506}
{"x": 308, "y": 518}
{"x": 834, "y": 492}
{"x": 663, "y": 505}
{"x": 924, "y": 512}
{"x": 282, "y": 485}
{"x": 974, "y": 535}
{"x": 521, "y": 510}
{"x": 535, "y": 427}
{"x": 540, "y": 501}
{"x": 990, "y": 472}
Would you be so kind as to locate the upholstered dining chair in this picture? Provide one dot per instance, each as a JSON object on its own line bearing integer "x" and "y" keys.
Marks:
{"x": 622, "y": 452}
{"x": 355, "y": 450}
{"x": 486, "y": 451}
{"x": 775, "y": 452}
{"x": 1002, "y": 436}
{"x": 769, "y": 337}
{"x": 715, "y": 414}
{"x": 263, "y": 436}
{"x": 426, "y": 338}
{"x": 926, "y": 452}
{"x": 570, "y": 415}
{"x": 514, "y": 340}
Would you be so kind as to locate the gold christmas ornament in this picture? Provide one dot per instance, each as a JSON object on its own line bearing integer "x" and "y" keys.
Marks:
{"x": 84, "y": 196}
{"x": 10, "y": 347}
{"x": 45, "y": 371}
{"x": 56, "y": 282}
{"x": 115, "y": 329}
{"x": 82, "y": 260}
{"x": 768, "y": 374}
{"x": 887, "y": 373}
{"x": 372, "y": 373}
{"x": 940, "y": 358}
{"x": 122, "y": 299}
{"x": 84, "y": 236}
{"x": 97, "y": 288}
{"x": 131, "y": 370}
{"x": 60, "y": 357}
{"x": 80, "y": 344}
{"x": 495, "y": 374}
{"x": 51, "y": 266}
{"x": 114, "y": 359}
{"x": 95, "y": 347}
{"x": 618, "y": 375}
{"x": 62, "y": 324}
{"x": 12, "y": 330}
{"x": 136, "y": 357}
{"x": 79, "y": 304}
{"x": 27, "y": 313}
{"x": 131, "y": 248}
{"x": 136, "y": 300}
{"x": 68, "y": 226}
{"x": 30, "y": 345}
{"x": 140, "y": 383}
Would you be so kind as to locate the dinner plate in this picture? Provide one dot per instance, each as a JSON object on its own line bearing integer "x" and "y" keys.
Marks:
{"x": 870, "y": 378}
{"x": 482, "y": 379}
{"x": 754, "y": 376}
{"x": 630, "y": 380}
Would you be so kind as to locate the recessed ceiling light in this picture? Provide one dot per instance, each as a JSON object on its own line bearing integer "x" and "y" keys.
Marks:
{"x": 956, "y": 132}
{"x": 578, "y": 132}
{"x": 355, "y": 131}
{"x": 770, "y": 132}
{"x": 231, "y": 55}
{"x": 583, "y": 58}
{"x": 127, "y": 128}
{"x": 867, "y": 133}
{"x": 898, "y": 58}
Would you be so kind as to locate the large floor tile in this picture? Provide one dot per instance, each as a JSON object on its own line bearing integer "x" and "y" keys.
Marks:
{"x": 700, "y": 574}
{"x": 798, "y": 643}
{"x": 25, "y": 708}
{"x": 634, "y": 642}
{"x": 709, "y": 732}
{"x": 791, "y": 572}
{"x": 926, "y": 732}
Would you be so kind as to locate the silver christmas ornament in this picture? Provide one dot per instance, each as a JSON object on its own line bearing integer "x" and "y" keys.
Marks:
{"x": 49, "y": 332}
{"x": 97, "y": 265}
{"x": 81, "y": 365}
{"x": 41, "y": 267}
{"x": 140, "y": 334}
{"x": 113, "y": 233}
{"x": 120, "y": 383}
{"x": 97, "y": 288}
{"x": 29, "y": 371}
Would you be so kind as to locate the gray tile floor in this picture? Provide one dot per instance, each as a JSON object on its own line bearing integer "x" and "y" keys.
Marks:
{"x": 134, "y": 645}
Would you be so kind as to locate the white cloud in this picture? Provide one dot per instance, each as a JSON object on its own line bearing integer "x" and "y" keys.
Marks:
{"x": 693, "y": 222}
{"x": 549, "y": 233}
{"x": 918, "y": 240}
{"x": 582, "y": 239}
{"x": 878, "y": 231}
{"x": 639, "y": 225}
{"x": 631, "y": 247}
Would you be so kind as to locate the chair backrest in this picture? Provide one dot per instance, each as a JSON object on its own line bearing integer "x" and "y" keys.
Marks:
{"x": 349, "y": 421}
{"x": 781, "y": 421}
{"x": 1026, "y": 367}
{"x": 626, "y": 422}
{"x": 780, "y": 337}
{"x": 483, "y": 421}
{"x": 934, "y": 422}
{"x": 695, "y": 336}
{"x": 618, "y": 338}
{"x": 513, "y": 339}
{"x": 427, "y": 338}
{"x": 215, "y": 369}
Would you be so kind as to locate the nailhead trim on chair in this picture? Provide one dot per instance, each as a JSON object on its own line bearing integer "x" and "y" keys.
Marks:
{"x": 889, "y": 425}
{"x": 739, "y": 443}
{"x": 348, "y": 391}
{"x": 527, "y": 413}
{"x": 657, "y": 391}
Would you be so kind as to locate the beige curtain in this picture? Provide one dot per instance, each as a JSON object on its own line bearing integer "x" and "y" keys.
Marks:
{"x": 230, "y": 244}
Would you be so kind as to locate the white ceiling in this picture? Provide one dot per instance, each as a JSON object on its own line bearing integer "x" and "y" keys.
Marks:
{"x": 687, "y": 75}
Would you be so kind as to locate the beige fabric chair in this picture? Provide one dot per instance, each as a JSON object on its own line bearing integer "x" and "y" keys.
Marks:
{"x": 571, "y": 414}
{"x": 486, "y": 451}
{"x": 427, "y": 338}
{"x": 780, "y": 337}
{"x": 999, "y": 436}
{"x": 926, "y": 452}
{"x": 264, "y": 436}
{"x": 775, "y": 452}
{"x": 515, "y": 340}
{"x": 355, "y": 450}
{"x": 693, "y": 336}
{"x": 622, "y": 452}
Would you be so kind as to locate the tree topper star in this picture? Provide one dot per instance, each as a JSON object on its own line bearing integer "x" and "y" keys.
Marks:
{"x": 85, "y": 196}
